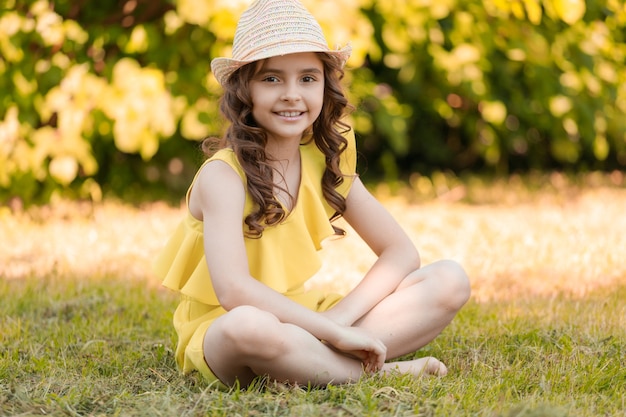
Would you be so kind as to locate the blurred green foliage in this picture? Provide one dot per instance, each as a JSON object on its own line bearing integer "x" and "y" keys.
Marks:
{"x": 113, "y": 96}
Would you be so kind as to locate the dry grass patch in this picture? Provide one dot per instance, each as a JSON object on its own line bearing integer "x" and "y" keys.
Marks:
{"x": 553, "y": 240}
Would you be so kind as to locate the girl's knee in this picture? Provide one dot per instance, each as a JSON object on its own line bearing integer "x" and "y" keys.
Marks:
{"x": 250, "y": 331}
{"x": 455, "y": 283}
{"x": 245, "y": 323}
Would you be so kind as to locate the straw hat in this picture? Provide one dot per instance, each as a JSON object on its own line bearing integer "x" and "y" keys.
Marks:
{"x": 271, "y": 28}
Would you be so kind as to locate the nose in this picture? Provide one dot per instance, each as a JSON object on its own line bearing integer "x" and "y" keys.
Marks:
{"x": 291, "y": 92}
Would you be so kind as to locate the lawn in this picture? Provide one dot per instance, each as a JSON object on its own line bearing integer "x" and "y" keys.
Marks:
{"x": 85, "y": 326}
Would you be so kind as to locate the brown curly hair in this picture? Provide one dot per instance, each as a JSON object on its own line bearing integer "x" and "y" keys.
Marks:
{"x": 248, "y": 142}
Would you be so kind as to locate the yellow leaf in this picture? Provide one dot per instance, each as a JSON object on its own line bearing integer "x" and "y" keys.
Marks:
{"x": 440, "y": 11}
{"x": 570, "y": 11}
{"x": 465, "y": 53}
{"x": 149, "y": 144}
{"x": 138, "y": 42}
{"x": 600, "y": 147}
{"x": 172, "y": 21}
{"x": 63, "y": 169}
{"x": 75, "y": 32}
{"x": 517, "y": 10}
{"x": 559, "y": 105}
{"x": 533, "y": 11}
{"x": 396, "y": 39}
{"x": 127, "y": 135}
{"x": 191, "y": 127}
{"x": 493, "y": 111}
{"x": 497, "y": 8}
{"x": 194, "y": 11}
{"x": 10, "y": 24}
{"x": 9, "y": 130}
{"x": 50, "y": 27}
{"x": 516, "y": 54}
{"x": 223, "y": 23}
{"x": 503, "y": 5}
{"x": 25, "y": 87}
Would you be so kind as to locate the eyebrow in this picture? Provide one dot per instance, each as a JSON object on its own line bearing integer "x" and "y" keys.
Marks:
{"x": 311, "y": 70}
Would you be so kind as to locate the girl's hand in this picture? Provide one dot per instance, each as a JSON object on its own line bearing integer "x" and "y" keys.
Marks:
{"x": 357, "y": 342}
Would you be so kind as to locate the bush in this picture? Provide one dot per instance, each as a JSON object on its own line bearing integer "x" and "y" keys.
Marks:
{"x": 113, "y": 97}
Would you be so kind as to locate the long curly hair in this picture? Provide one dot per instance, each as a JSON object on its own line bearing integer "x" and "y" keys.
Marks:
{"x": 248, "y": 141}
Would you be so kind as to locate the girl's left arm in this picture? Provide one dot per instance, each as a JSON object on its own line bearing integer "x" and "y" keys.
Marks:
{"x": 397, "y": 255}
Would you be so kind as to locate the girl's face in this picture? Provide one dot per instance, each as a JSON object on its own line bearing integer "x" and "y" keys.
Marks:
{"x": 287, "y": 94}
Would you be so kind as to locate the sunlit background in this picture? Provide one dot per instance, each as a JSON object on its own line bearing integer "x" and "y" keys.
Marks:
{"x": 504, "y": 120}
{"x": 111, "y": 98}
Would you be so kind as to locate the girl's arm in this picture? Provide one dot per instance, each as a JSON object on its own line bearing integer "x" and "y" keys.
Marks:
{"x": 220, "y": 203}
{"x": 397, "y": 255}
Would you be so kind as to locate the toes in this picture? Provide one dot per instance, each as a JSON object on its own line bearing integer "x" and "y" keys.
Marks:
{"x": 434, "y": 366}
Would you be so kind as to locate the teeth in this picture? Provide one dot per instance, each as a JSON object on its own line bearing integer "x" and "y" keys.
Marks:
{"x": 289, "y": 113}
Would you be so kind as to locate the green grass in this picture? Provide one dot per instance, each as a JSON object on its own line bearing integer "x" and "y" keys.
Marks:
{"x": 104, "y": 347}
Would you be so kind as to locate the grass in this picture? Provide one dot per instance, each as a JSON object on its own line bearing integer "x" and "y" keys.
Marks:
{"x": 85, "y": 329}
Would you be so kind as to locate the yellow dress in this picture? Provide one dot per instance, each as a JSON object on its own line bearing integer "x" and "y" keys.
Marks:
{"x": 284, "y": 268}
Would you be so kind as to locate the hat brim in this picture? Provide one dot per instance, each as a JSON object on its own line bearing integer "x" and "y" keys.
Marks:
{"x": 223, "y": 68}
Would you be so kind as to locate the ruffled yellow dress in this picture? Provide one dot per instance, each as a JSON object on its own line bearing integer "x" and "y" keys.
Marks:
{"x": 284, "y": 258}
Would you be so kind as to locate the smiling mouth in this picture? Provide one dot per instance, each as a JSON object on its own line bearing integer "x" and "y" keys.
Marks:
{"x": 289, "y": 113}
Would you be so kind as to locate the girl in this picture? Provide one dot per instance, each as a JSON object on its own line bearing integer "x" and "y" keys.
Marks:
{"x": 258, "y": 211}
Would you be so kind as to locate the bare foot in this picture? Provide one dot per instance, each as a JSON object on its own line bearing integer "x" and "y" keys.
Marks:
{"x": 417, "y": 367}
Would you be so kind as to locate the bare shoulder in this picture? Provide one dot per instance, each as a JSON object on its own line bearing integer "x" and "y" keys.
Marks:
{"x": 217, "y": 186}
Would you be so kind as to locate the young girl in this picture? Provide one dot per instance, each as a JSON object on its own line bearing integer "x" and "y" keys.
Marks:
{"x": 258, "y": 211}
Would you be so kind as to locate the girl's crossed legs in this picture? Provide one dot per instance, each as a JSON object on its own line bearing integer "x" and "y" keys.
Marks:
{"x": 246, "y": 341}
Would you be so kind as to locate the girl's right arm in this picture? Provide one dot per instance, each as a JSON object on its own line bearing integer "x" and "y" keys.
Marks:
{"x": 220, "y": 205}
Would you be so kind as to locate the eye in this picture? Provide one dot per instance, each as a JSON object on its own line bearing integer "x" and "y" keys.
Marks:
{"x": 270, "y": 79}
{"x": 308, "y": 79}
